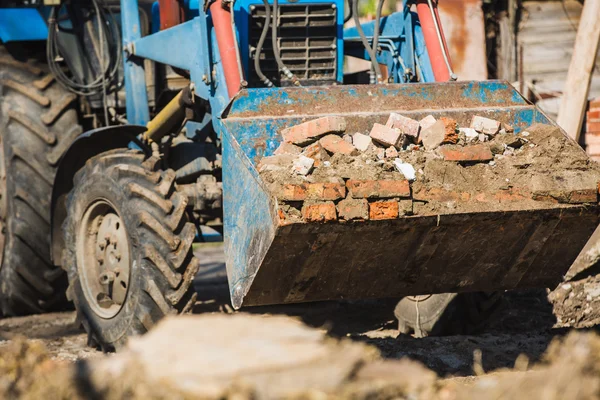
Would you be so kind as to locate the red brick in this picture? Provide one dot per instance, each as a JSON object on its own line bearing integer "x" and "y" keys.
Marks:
{"x": 472, "y": 153}
{"x": 595, "y": 104}
{"x": 386, "y": 209}
{"x": 310, "y": 131}
{"x": 288, "y": 148}
{"x": 317, "y": 153}
{"x": 378, "y": 189}
{"x": 384, "y": 135}
{"x": 407, "y": 126}
{"x": 312, "y": 191}
{"x": 319, "y": 212}
{"x": 591, "y": 115}
{"x": 335, "y": 144}
{"x": 591, "y": 138}
{"x": 451, "y": 127}
{"x": 592, "y": 127}
{"x": 350, "y": 209}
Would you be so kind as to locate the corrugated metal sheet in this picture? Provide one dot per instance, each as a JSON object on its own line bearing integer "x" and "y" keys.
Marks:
{"x": 547, "y": 35}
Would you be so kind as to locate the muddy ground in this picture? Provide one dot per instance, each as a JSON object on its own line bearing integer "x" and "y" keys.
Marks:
{"x": 519, "y": 333}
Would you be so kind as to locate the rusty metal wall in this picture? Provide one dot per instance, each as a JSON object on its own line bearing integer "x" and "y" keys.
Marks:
{"x": 465, "y": 32}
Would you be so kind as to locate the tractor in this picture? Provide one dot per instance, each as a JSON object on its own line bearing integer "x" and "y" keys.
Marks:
{"x": 132, "y": 129}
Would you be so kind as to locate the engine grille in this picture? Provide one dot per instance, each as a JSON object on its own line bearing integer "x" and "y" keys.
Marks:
{"x": 307, "y": 43}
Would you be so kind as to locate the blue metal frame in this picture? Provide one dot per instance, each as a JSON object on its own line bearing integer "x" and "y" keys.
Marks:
{"x": 135, "y": 79}
{"x": 23, "y": 24}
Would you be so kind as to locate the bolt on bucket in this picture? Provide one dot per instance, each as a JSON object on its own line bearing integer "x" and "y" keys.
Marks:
{"x": 495, "y": 212}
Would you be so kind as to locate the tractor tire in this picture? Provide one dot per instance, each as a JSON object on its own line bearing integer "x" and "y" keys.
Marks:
{"x": 446, "y": 313}
{"x": 38, "y": 122}
{"x": 128, "y": 247}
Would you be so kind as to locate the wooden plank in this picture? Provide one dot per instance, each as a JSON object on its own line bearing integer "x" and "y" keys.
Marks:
{"x": 574, "y": 99}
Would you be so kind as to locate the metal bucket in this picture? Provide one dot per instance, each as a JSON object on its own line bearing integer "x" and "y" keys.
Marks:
{"x": 271, "y": 264}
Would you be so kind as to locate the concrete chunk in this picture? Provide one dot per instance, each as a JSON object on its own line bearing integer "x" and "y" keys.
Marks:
{"x": 433, "y": 136}
{"x": 427, "y": 122}
{"x": 361, "y": 141}
{"x": 303, "y": 165}
{"x": 485, "y": 125}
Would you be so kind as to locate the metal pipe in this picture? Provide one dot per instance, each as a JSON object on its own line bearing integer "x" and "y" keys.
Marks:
{"x": 221, "y": 20}
{"x": 171, "y": 13}
{"x": 435, "y": 50}
{"x": 171, "y": 116}
{"x": 441, "y": 38}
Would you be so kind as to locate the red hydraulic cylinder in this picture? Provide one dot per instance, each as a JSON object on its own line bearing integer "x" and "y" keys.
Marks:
{"x": 434, "y": 48}
{"x": 171, "y": 13}
{"x": 221, "y": 19}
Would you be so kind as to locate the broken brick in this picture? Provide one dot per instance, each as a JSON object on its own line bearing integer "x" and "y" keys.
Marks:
{"x": 384, "y": 135}
{"x": 288, "y": 215}
{"x": 474, "y": 153}
{"x": 391, "y": 152}
{"x": 427, "y": 122}
{"x": 378, "y": 189}
{"x": 361, "y": 142}
{"x": 407, "y": 126}
{"x": 485, "y": 125}
{"x": 351, "y": 209}
{"x": 335, "y": 144}
{"x": 592, "y": 115}
{"x": 451, "y": 128}
{"x": 288, "y": 148}
{"x": 386, "y": 209}
{"x": 310, "y": 131}
{"x": 319, "y": 211}
{"x": 317, "y": 153}
{"x": 311, "y": 191}
{"x": 434, "y": 135}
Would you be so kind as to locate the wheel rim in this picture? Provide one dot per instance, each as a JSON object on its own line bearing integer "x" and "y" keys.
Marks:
{"x": 103, "y": 259}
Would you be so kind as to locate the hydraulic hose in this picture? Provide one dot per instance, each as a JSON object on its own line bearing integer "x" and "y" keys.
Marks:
{"x": 364, "y": 40}
{"x": 286, "y": 71}
{"x": 376, "y": 27}
{"x": 261, "y": 42}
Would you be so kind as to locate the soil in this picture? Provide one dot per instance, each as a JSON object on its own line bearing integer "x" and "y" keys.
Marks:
{"x": 526, "y": 334}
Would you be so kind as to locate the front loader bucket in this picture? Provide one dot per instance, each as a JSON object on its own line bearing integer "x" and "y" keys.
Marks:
{"x": 512, "y": 244}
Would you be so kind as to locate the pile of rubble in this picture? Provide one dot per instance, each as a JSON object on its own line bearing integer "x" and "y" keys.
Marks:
{"x": 322, "y": 171}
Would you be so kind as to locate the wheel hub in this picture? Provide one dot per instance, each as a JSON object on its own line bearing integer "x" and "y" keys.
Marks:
{"x": 103, "y": 259}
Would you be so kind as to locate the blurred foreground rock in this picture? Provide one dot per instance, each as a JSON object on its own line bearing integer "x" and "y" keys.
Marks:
{"x": 263, "y": 357}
